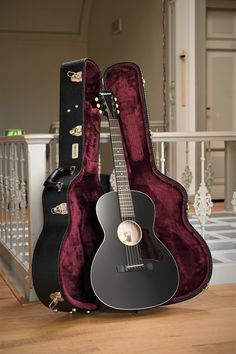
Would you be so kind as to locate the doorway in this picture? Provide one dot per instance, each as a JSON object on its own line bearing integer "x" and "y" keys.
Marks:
{"x": 220, "y": 86}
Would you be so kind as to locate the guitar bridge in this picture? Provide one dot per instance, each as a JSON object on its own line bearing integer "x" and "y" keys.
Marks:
{"x": 134, "y": 267}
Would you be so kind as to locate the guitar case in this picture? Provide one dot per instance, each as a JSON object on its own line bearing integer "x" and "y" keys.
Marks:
{"x": 170, "y": 199}
{"x": 71, "y": 233}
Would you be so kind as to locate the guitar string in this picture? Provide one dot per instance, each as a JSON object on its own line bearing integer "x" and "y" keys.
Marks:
{"x": 132, "y": 252}
{"x": 115, "y": 139}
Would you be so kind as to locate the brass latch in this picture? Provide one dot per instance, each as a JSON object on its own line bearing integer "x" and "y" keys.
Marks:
{"x": 75, "y": 77}
{"x": 55, "y": 297}
{"x": 60, "y": 209}
{"x": 76, "y": 131}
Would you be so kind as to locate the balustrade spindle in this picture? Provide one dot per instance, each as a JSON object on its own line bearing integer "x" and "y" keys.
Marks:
{"x": 187, "y": 175}
{"x": 12, "y": 197}
{"x": 162, "y": 159}
{"x": 2, "y": 198}
{"x": 50, "y": 157}
{"x": 209, "y": 173}
{"x": 202, "y": 200}
{"x": 17, "y": 235}
{"x": 157, "y": 154}
{"x": 7, "y": 193}
{"x": 23, "y": 202}
{"x": 233, "y": 202}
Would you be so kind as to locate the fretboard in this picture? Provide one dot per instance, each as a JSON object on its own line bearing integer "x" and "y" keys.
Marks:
{"x": 121, "y": 172}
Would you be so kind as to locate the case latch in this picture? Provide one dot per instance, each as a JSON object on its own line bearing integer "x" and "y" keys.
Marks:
{"x": 55, "y": 297}
{"x": 76, "y": 131}
{"x": 60, "y": 209}
{"x": 75, "y": 77}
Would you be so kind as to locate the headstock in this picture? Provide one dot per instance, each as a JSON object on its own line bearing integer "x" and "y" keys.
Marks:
{"x": 107, "y": 104}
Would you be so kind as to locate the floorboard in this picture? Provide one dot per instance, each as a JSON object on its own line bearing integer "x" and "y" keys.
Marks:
{"x": 205, "y": 324}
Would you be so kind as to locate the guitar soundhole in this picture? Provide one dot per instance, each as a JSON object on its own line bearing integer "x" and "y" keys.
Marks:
{"x": 129, "y": 233}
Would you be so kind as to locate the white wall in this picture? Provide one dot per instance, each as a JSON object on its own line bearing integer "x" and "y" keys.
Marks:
{"x": 35, "y": 39}
{"x": 139, "y": 41}
{"x": 185, "y": 108}
{"x": 29, "y": 71}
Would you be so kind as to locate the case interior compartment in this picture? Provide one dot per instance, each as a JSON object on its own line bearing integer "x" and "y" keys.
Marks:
{"x": 171, "y": 224}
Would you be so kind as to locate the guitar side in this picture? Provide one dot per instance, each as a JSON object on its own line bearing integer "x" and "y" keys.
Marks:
{"x": 115, "y": 282}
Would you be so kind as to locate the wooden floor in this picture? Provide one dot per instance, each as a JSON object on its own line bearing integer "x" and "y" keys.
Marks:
{"x": 204, "y": 325}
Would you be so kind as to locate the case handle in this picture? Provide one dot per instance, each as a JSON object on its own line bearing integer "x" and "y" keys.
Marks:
{"x": 53, "y": 178}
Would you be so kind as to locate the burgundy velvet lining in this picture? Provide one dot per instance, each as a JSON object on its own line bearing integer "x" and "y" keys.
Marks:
{"x": 84, "y": 233}
{"x": 171, "y": 225}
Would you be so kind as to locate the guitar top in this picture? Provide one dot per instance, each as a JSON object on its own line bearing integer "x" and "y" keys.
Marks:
{"x": 132, "y": 269}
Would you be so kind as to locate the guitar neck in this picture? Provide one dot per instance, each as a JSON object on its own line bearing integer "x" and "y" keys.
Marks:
{"x": 121, "y": 172}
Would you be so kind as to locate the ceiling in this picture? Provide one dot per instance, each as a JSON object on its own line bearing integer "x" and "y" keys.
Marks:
{"x": 44, "y": 16}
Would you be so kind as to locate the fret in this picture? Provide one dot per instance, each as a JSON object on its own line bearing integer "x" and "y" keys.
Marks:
{"x": 127, "y": 205}
{"x": 124, "y": 191}
{"x": 126, "y": 202}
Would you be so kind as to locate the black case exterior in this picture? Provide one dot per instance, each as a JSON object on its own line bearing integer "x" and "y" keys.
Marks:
{"x": 46, "y": 263}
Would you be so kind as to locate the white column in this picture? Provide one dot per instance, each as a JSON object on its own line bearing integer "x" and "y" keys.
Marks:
{"x": 185, "y": 82}
{"x": 37, "y": 171}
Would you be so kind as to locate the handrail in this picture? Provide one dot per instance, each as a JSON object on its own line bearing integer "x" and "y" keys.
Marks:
{"x": 185, "y": 136}
{"x": 156, "y": 137}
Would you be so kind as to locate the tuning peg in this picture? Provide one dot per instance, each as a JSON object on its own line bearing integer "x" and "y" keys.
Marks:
{"x": 100, "y": 111}
{"x": 96, "y": 99}
{"x": 115, "y": 99}
{"x": 117, "y": 105}
{"x": 118, "y": 112}
{"x": 98, "y": 105}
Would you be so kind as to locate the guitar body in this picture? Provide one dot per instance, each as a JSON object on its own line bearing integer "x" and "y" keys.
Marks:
{"x": 117, "y": 282}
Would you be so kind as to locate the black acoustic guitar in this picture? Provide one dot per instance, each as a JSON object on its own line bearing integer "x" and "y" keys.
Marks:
{"x": 132, "y": 269}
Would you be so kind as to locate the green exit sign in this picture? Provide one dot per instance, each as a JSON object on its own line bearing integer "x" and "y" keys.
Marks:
{"x": 13, "y": 132}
